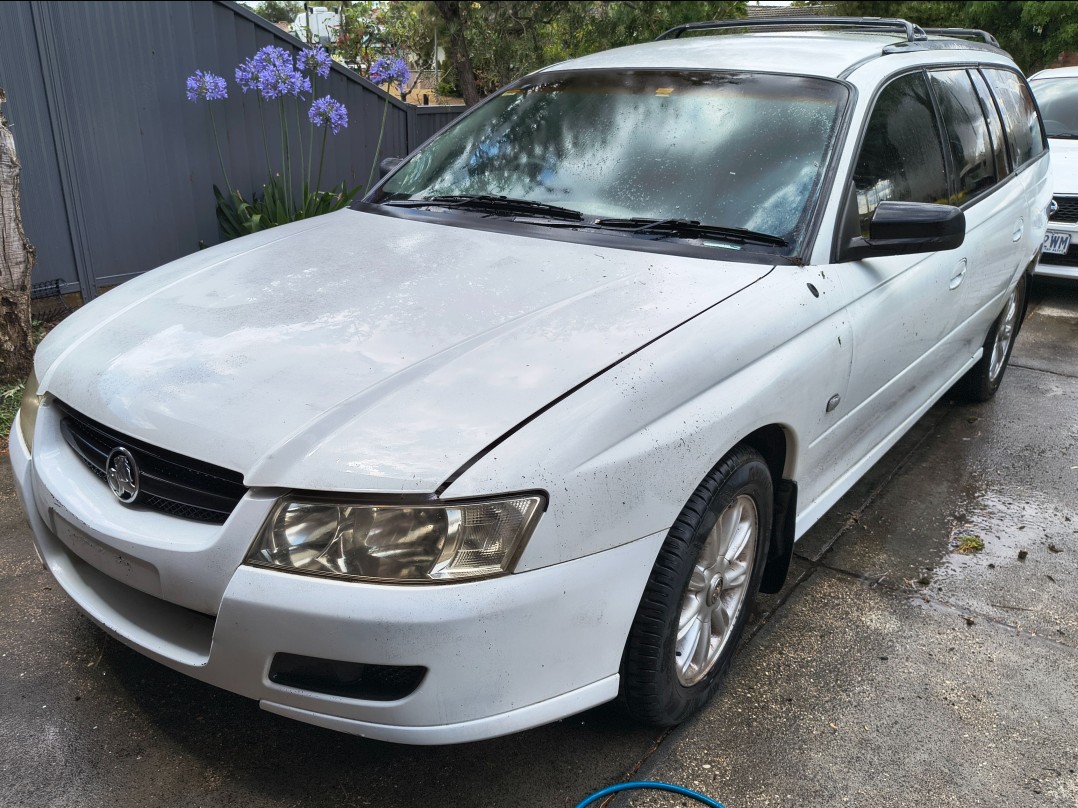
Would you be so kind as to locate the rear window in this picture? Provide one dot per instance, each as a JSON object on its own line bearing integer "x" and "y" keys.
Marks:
{"x": 1024, "y": 133}
{"x": 995, "y": 125}
{"x": 967, "y": 133}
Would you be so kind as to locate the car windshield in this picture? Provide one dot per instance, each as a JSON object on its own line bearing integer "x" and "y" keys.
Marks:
{"x": 1058, "y": 100}
{"x": 735, "y": 151}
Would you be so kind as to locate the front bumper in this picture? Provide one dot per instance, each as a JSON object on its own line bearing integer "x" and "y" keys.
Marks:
{"x": 502, "y": 655}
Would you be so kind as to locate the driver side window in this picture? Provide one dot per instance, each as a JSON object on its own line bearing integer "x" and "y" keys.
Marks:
{"x": 901, "y": 156}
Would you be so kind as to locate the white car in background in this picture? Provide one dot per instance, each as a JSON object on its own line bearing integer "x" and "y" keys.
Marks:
{"x": 317, "y": 25}
{"x": 526, "y": 429}
{"x": 1056, "y": 91}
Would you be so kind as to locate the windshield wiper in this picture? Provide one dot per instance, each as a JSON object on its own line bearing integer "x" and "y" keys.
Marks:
{"x": 491, "y": 203}
{"x": 685, "y": 228}
{"x": 1063, "y": 136}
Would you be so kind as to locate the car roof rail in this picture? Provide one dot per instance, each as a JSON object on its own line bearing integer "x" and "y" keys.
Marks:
{"x": 914, "y": 33}
{"x": 958, "y": 33}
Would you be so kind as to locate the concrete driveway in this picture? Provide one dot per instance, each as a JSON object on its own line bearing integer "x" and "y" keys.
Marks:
{"x": 892, "y": 671}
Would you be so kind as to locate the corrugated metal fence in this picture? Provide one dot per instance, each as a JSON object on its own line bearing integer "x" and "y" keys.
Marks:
{"x": 118, "y": 166}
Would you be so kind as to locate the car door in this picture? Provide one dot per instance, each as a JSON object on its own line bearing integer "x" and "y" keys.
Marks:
{"x": 900, "y": 306}
{"x": 994, "y": 207}
{"x": 1027, "y": 143}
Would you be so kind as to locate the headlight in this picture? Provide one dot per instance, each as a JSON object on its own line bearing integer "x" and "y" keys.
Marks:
{"x": 28, "y": 410}
{"x": 397, "y": 543}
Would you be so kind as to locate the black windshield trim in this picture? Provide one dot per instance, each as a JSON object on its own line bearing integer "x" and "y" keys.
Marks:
{"x": 567, "y": 232}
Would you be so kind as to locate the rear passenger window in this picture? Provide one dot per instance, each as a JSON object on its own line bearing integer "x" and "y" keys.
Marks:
{"x": 995, "y": 127}
{"x": 967, "y": 133}
{"x": 901, "y": 156}
{"x": 1023, "y": 124}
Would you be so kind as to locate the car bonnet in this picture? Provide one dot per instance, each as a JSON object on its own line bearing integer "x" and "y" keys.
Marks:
{"x": 363, "y": 352}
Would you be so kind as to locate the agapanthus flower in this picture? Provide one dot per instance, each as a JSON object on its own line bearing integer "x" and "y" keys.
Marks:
{"x": 327, "y": 111}
{"x": 247, "y": 75}
{"x": 315, "y": 60}
{"x": 390, "y": 71}
{"x": 207, "y": 86}
{"x": 273, "y": 56}
{"x": 275, "y": 82}
{"x": 272, "y": 73}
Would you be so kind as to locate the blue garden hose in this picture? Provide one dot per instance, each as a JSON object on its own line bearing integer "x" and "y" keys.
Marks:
{"x": 598, "y": 795}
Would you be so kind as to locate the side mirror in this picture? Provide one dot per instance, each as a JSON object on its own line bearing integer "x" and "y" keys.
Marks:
{"x": 906, "y": 228}
{"x": 388, "y": 164}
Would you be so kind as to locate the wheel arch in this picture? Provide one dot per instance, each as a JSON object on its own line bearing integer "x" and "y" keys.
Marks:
{"x": 777, "y": 445}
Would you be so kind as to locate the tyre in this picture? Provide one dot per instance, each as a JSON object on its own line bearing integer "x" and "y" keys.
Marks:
{"x": 982, "y": 380}
{"x": 696, "y": 602}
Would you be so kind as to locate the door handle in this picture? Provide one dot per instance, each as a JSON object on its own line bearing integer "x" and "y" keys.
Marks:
{"x": 958, "y": 274}
{"x": 1019, "y": 229}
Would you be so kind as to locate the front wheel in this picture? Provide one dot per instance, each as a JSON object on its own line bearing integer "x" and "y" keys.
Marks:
{"x": 982, "y": 380}
{"x": 698, "y": 597}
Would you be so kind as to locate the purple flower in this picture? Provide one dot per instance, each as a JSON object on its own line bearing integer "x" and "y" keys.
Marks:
{"x": 276, "y": 82}
{"x": 328, "y": 111}
{"x": 272, "y": 56}
{"x": 390, "y": 71}
{"x": 206, "y": 85}
{"x": 247, "y": 75}
{"x": 272, "y": 73}
{"x": 315, "y": 60}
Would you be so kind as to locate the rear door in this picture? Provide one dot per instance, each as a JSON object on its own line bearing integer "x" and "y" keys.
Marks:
{"x": 1027, "y": 145}
{"x": 993, "y": 202}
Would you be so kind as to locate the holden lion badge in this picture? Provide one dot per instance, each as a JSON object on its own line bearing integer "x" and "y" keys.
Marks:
{"x": 122, "y": 473}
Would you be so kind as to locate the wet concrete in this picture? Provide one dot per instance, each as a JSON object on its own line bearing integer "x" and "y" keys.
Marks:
{"x": 891, "y": 671}
{"x": 858, "y": 696}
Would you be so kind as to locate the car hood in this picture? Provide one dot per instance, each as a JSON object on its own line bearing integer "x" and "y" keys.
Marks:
{"x": 1064, "y": 165}
{"x": 361, "y": 352}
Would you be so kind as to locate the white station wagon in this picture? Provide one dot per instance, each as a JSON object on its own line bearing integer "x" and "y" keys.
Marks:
{"x": 1056, "y": 91}
{"x": 526, "y": 430}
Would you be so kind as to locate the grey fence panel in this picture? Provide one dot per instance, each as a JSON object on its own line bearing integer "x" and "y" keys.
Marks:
{"x": 43, "y": 211}
{"x": 119, "y": 166}
{"x": 120, "y": 88}
{"x": 431, "y": 119}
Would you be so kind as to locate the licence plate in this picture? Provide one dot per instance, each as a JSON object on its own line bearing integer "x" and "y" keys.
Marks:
{"x": 1057, "y": 243}
{"x": 132, "y": 571}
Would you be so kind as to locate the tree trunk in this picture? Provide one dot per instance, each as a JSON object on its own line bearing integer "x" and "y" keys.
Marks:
{"x": 458, "y": 50}
{"x": 16, "y": 262}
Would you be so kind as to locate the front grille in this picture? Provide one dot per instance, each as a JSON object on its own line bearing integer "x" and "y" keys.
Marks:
{"x": 1067, "y": 210}
{"x": 168, "y": 482}
{"x": 1070, "y": 259}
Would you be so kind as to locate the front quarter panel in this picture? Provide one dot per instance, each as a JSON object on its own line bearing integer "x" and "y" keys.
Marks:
{"x": 620, "y": 457}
